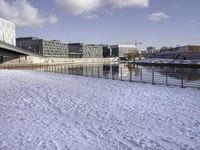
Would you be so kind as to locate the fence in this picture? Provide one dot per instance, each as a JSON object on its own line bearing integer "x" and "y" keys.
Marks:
{"x": 152, "y": 76}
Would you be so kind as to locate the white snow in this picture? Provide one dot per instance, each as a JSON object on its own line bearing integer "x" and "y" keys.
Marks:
{"x": 47, "y": 111}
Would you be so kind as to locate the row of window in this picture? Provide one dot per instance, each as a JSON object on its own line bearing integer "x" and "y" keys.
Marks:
{"x": 194, "y": 49}
{"x": 4, "y": 24}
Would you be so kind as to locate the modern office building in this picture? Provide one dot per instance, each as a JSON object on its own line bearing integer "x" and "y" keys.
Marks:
{"x": 42, "y": 47}
{"x": 106, "y": 50}
{"x": 75, "y": 50}
{"x": 79, "y": 50}
{"x": 7, "y": 32}
{"x": 92, "y": 51}
{"x": 122, "y": 50}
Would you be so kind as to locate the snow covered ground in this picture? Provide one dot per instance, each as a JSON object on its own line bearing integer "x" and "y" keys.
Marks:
{"x": 47, "y": 111}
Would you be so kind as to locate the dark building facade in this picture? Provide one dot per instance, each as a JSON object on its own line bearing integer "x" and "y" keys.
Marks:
{"x": 75, "y": 50}
{"x": 42, "y": 47}
{"x": 106, "y": 51}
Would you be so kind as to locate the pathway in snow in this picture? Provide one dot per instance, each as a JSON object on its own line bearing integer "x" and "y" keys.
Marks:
{"x": 47, "y": 111}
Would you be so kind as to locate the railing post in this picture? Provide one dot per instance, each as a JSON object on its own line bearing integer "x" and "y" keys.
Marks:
{"x": 113, "y": 77}
{"x": 105, "y": 74}
{"x": 153, "y": 82}
{"x": 182, "y": 81}
{"x": 86, "y": 71}
{"x": 61, "y": 69}
{"x": 166, "y": 79}
{"x": 92, "y": 72}
{"x": 65, "y": 69}
{"x": 121, "y": 75}
{"x": 141, "y": 75}
{"x": 98, "y": 72}
{"x": 130, "y": 76}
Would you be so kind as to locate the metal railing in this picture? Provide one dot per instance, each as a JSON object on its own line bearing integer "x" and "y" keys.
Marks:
{"x": 152, "y": 76}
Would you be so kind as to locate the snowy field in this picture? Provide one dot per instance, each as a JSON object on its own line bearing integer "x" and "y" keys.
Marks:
{"x": 47, "y": 111}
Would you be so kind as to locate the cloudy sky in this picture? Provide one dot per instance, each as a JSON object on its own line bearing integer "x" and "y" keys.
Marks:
{"x": 153, "y": 22}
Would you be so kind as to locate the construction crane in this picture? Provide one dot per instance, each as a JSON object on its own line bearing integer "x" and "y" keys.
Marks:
{"x": 137, "y": 43}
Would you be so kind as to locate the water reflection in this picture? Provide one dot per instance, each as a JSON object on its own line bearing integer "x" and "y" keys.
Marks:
{"x": 189, "y": 74}
{"x": 125, "y": 71}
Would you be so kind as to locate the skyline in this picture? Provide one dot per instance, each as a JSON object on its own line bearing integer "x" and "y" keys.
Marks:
{"x": 152, "y": 22}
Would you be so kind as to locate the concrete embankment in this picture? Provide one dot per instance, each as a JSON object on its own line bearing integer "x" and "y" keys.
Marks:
{"x": 36, "y": 62}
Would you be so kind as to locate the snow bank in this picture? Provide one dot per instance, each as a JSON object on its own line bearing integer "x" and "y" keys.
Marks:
{"x": 47, "y": 111}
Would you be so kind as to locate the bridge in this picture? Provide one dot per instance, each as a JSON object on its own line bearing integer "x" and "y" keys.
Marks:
{"x": 9, "y": 52}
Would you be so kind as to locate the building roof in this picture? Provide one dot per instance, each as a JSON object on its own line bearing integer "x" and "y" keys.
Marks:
{"x": 124, "y": 45}
{"x": 6, "y": 21}
{"x": 27, "y": 38}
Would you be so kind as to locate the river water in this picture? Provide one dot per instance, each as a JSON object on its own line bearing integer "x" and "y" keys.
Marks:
{"x": 185, "y": 77}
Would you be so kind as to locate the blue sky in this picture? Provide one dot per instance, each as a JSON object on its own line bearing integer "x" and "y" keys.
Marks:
{"x": 153, "y": 22}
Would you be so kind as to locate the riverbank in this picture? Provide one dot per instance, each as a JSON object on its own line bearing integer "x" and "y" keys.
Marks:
{"x": 53, "y": 111}
{"x": 60, "y": 61}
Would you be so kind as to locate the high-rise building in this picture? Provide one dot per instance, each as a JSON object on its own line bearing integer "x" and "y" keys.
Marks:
{"x": 7, "y": 32}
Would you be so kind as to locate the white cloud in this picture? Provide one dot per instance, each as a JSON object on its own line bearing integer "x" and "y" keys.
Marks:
{"x": 22, "y": 13}
{"x": 129, "y": 3}
{"x": 89, "y": 16}
{"x": 78, "y": 7}
{"x": 53, "y": 19}
{"x": 158, "y": 16}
